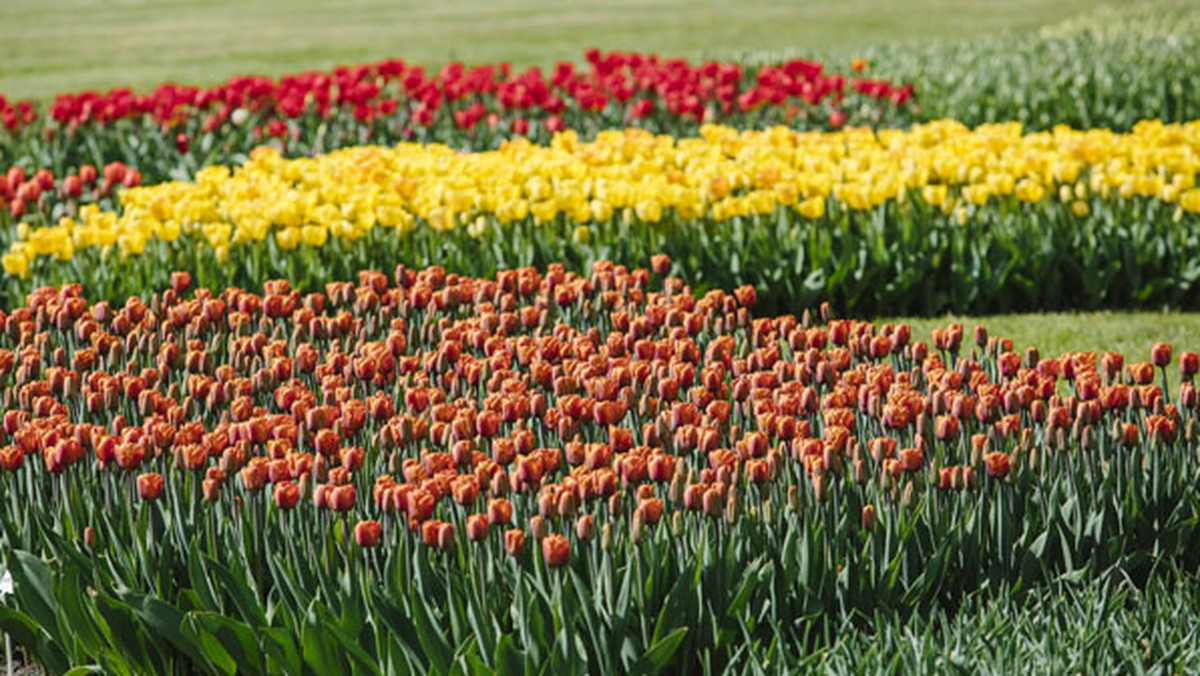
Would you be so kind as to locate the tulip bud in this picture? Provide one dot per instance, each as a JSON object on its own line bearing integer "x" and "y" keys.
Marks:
{"x": 677, "y": 524}
{"x": 910, "y": 495}
{"x": 445, "y": 536}
{"x": 868, "y": 517}
{"x": 585, "y": 527}
{"x": 732, "y": 506}
{"x": 635, "y": 527}
{"x": 616, "y": 503}
{"x": 89, "y": 537}
{"x": 820, "y": 491}
{"x": 538, "y": 527}
{"x": 556, "y": 551}
{"x": 793, "y": 498}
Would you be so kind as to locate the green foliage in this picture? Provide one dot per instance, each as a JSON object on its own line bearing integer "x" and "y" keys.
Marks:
{"x": 1109, "y": 68}
{"x": 898, "y": 259}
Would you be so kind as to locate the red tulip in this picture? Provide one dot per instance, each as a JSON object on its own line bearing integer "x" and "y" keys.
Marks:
{"x": 1160, "y": 354}
{"x": 1189, "y": 364}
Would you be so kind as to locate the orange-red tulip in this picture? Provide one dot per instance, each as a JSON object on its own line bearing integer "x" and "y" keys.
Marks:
{"x": 150, "y": 486}
{"x": 556, "y": 550}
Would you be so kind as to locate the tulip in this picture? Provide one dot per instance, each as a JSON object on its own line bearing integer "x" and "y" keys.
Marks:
{"x": 514, "y": 541}
{"x": 998, "y": 464}
{"x": 585, "y": 527}
{"x": 556, "y": 551}
{"x": 477, "y": 527}
{"x": 341, "y": 498}
{"x": 367, "y": 534}
{"x": 287, "y": 495}
{"x": 150, "y": 486}
{"x": 1160, "y": 354}
{"x": 1189, "y": 364}
{"x": 500, "y": 512}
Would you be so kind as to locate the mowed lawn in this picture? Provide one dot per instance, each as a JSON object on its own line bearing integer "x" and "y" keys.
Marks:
{"x": 1053, "y": 333}
{"x": 67, "y": 45}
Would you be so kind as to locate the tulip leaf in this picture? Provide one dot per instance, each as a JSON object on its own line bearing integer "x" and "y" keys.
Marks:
{"x": 279, "y": 644}
{"x": 243, "y": 597}
{"x": 660, "y": 654}
{"x": 438, "y": 653}
{"x": 21, "y": 627}
{"x": 214, "y": 653}
{"x": 329, "y": 623}
{"x": 507, "y": 660}
{"x": 163, "y": 621}
{"x": 75, "y": 614}
{"x": 34, "y": 590}
{"x": 319, "y": 652}
{"x": 199, "y": 580}
{"x": 236, "y": 638}
{"x": 126, "y": 634}
{"x": 673, "y": 608}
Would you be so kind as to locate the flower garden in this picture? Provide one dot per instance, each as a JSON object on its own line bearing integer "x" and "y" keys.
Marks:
{"x": 476, "y": 369}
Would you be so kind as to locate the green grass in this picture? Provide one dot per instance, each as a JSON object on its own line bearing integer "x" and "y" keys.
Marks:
{"x": 74, "y": 44}
{"x": 1131, "y": 333}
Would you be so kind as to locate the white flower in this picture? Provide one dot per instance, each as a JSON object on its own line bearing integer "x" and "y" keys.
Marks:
{"x": 6, "y": 585}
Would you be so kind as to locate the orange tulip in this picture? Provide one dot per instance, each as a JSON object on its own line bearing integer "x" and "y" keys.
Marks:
{"x": 514, "y": 541}
{"x": 367, "y": 533}
{"x": 997, "y": 464}
{"x": 150, "y": 486}
{"x": 477, "y": 527}
{"x": 287, "y": 495}
{"x": 556, "y": 550}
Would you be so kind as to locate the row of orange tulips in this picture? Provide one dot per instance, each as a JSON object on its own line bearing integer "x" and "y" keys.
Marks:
{"x": 553, "y": 440}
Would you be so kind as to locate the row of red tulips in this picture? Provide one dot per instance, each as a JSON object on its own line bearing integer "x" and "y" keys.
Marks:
{"x": 182, "y": 127}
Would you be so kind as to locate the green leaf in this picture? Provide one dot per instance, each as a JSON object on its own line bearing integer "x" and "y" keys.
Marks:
{"x": 243, "y": 597}
{"x": 34, "y": 591}
{"x": 437, "y": 649}
{"x": 126, "y": 635}
{"x": 280, "y": 646}
{"x": 75, "y": 614}
{"x": 508, "y": 660}
{"x": 319, "y": 651}
{"x": 329, "y": 624}
{"x": 213, "y": 651}
{"x": 163, "y": 622}
{"x": 660, "y": 654}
